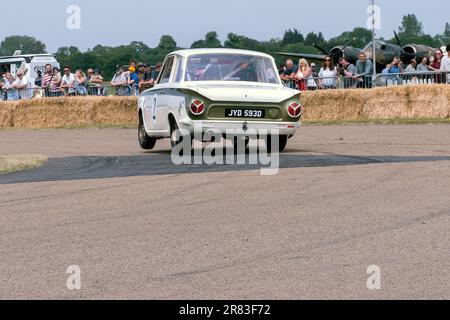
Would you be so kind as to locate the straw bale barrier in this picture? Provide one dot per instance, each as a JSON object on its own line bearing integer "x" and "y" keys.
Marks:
{"x": 402, "y": 102}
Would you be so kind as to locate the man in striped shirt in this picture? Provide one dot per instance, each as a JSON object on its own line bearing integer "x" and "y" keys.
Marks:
{"x": 47, "y": 77}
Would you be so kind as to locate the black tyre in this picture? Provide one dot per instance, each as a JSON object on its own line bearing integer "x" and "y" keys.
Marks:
{"x": 283, "y": 140}
{"x": 146, "y": 142}
{"x": 175, "y": 136}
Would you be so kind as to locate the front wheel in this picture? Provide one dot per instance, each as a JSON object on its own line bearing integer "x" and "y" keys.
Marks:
{"x": 146, "y": 142}
{"x": 176, "y": 137}
{"x": 282, "y": 142}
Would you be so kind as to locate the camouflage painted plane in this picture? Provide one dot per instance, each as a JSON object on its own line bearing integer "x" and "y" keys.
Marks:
{"x": 385, "y": 52}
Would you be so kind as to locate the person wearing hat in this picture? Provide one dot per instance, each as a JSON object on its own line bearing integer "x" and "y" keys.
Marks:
{"x": 133, "y": 80}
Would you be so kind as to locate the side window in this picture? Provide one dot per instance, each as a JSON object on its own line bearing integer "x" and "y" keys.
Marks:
{"x": 179, "y": 72}
{"x": 165, "y": 76}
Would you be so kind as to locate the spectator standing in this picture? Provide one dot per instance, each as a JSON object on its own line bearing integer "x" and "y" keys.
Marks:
{"x": 411, "y": 68}
{"x": 11, "y": 92}
{"x": 141, "y": 71}
{"x": 288, "y": 75}
{"x": 80, "y": 83}
{"x": 303, "y": 74}
{"x": 386, "y": 79}
{"x": 120, "y": 82}
{"x": 38, "y": 80}
{"x": 68, "y": 82}
{"x": 396, "y": 66}
{"x": 94, "y": 78}
{"x": 21, "y": 85}
{"x": 2, "y": 86}
{"x": 55, "y": 83}
{"x": 423, "y": 66}
{"x": 47, "y": 79}
{"x": 436, "y": 64}
{"x": 156, "y": 72}
{"x": 2, "y": 83}
{"x": 364, "y": 68}
{"x": 94, "y": 82}
{"x": 348, "y": 71}
{"x": 328, "y": 74}
{"x": 314, "y": 70}
{"x": 133, "y": 80}
{"x": 148, "y": 78}
{"x": 312, "y": 82}
{"x": 445, "y": 65}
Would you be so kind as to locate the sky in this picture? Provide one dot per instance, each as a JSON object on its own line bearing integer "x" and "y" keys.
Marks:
{"x": 112, "y": 22}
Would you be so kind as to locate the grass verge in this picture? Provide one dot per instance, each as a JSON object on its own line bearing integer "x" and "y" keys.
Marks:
{"x": 14, "y": 163}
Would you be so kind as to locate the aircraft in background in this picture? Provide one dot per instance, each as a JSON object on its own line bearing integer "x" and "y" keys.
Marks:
{"x": 385, "y": 52}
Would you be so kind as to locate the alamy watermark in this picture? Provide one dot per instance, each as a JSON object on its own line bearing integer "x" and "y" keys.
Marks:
{"x": 73, "y": 22}
{"x": 374, "y": 19}
{"x": 374, "y": 281}
{"x": 250, "y": 147}
{"x": 74, "y": 280}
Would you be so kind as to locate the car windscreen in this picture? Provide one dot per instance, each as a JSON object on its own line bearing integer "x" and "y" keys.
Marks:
{"x": 230, "y": 67}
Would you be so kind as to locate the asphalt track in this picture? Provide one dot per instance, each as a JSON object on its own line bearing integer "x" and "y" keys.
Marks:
{"x": 139, "y": 227}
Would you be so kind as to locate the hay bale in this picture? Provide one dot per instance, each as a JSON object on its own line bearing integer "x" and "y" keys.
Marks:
{"x": 6, "y": 115}
{"x": 408, "y": 102}
{"x": 399, "y": 102}
{"x": 334, "y": 105}
{"x": 71, "y": 112}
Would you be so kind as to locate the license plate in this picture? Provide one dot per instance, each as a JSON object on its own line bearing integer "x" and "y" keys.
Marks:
{"x": 245, "y": 113}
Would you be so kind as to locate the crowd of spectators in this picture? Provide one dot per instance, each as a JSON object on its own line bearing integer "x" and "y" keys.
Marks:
{"x": 53, "y": 83}
{"x": 434, "y": 69}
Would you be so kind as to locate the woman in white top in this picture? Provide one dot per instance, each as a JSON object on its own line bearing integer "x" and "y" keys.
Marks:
{"x": 328, "y": 74}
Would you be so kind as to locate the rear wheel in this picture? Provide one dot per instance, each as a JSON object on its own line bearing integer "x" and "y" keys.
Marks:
{"x": 282, "y": 143}
{"x": 146, "y": 142}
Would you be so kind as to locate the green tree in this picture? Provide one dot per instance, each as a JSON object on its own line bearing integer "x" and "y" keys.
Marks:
{"x": 69, "y": 57}
{"x": 292, "y": 36}
{"x": 444, "y": 38}
{"x": 28, "y": 45}
{"x": 314, "y": 38}
{"x": 167, "y": 44}
{"x": 411, "y": 26}
{"x": 211, "y": 41}
{"x": 236, "y": 41}
{"x": 358, "y": 37}
{"x": 411, "y": 31}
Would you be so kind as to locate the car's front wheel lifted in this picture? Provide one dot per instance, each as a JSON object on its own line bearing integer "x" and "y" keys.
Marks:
{"x": 146, "y": 142}
{"x": 176, "y": 137}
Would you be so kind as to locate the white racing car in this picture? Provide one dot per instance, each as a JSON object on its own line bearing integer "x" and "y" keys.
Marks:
{"x": 217, "y": 89}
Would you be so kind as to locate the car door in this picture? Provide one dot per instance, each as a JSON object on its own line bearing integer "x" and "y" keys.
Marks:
{"x": 173, "y": 100}
{"x": 149, "y": 100}
{"x": 162, "y": 90}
